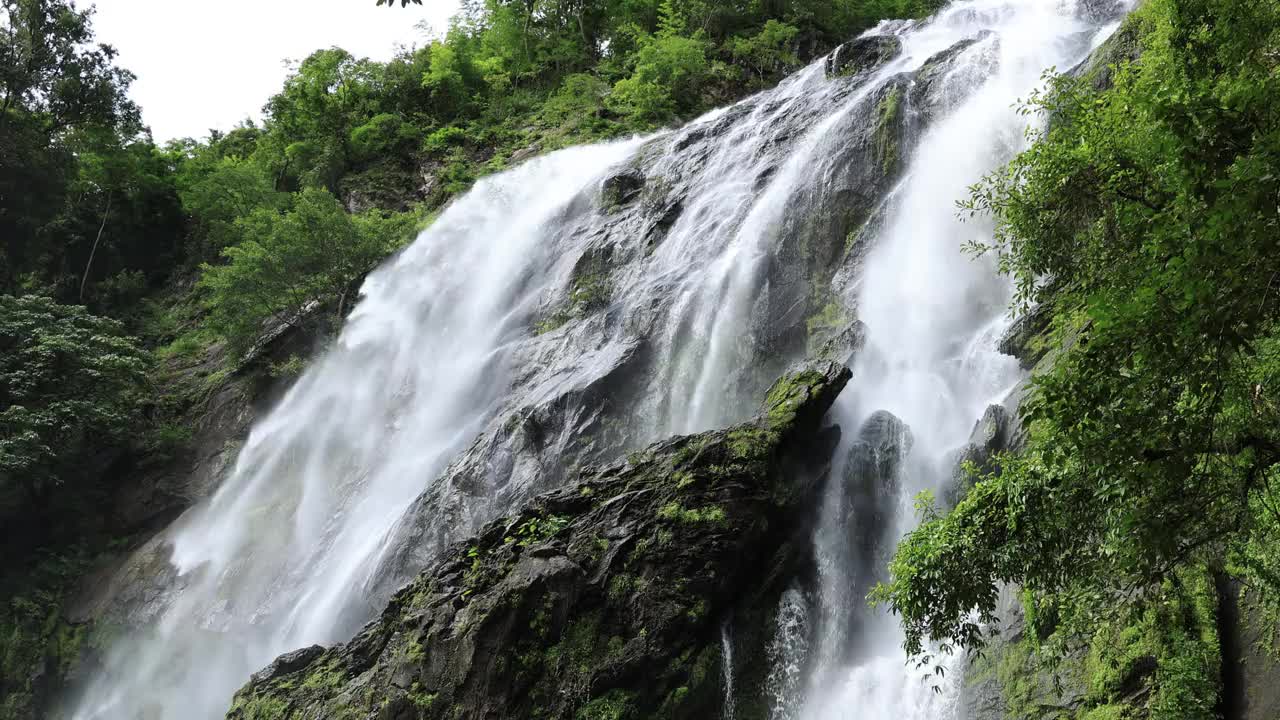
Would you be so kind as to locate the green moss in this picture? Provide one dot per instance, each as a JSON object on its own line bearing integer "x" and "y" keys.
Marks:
{"x": 689, "y": 451}
{"x": 888, "y": 114}
{"x": 414, "y": 651}
{"x": 588, "y": 294}
{"x": 420, "y": 698}
{"x": 551, "y": 323}
{"x": 1106, "y": 712}
{"x": 676, "y": 512}
{"x": 830, "y": 318}
{"x": 752, "y": 443}
{"x": 620, "y": 587}
{"x": 614, "y": 705}
{"x": 537, "y": 529}
{"x": 35, "y": 640}
{"x": 328, "y": 676}
{"x": 1162, "y": 663}
{"x": 698, "y": 610}
{"x": 260, "y": 707}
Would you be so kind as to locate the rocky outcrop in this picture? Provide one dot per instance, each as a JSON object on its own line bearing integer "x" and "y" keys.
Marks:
{"x": 1122, "y": 47}
{"x": 948, "y": 77}
{"x": 601, "y": 600}
{"x": 872, "y": 495}
{"x": 621, "y": 189}
{"x": 866, "y": 53}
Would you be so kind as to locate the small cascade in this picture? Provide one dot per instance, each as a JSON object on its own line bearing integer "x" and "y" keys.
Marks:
{"x": 726, "y": 662}
{"x": 788, "y": 656}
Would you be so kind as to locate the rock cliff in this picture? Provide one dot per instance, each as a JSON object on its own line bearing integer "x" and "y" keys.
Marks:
{"x": 605, "y": 599}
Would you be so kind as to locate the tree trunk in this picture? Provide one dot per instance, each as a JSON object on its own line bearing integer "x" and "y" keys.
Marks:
{"x": 85, "y": 278}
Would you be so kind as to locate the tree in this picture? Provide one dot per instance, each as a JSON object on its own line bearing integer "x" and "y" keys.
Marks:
{"x": 217, "y": 195}
{"x": 72, "y": 163}
{"x": 70, "y": 383}
{"x": 290, "y": 262}
{"x": 669, "y": 67}
{"x": 50, "y": 68}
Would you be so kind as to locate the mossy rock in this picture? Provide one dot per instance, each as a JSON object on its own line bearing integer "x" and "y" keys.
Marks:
{"x": 600, "y": 601}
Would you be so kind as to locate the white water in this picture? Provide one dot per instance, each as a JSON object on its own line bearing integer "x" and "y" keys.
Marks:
{"x": 291, "y": 549}
{"x": 934, "y": 317}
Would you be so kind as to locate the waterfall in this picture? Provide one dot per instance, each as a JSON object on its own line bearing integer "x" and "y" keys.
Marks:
{"x": 591, "y": 301}
{"x": 933, "y": 319}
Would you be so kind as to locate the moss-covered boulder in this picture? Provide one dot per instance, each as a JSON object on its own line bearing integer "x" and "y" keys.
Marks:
{"x": 602, "y": 600}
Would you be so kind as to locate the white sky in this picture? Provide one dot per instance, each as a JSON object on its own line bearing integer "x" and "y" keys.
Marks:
{"x": 205, "y": 64}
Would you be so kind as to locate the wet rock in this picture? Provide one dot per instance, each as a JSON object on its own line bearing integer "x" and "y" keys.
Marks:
{"x": 1100, "y": 11}
{"x": 872, "y": 492}
{"x": 845, "y": 345}
{"x": 576, "y": 418}
{"x": 621, "y": 189}
{"x": 815, "y": 241}
{"x": 603, "y": 599}
{"x": 863, "y": 54}
{"x": 961, "y": 72}
{"x": 994, "y": 433}
{"x": 1024, "y": 338}
{"x": 1249, "y": 655}
{"x": 1122, "y": 47}
{"x": 525, "y": 153}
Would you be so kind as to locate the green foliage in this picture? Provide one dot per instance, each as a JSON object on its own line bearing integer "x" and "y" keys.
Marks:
{"x": 675, "y": 512}
{"x": 669, "y": 72}
{"x": 219, "y": 195}
{"x": 769, "y": 51}
{"x": 614, "y": 705}
{"x": 33, "y": 636}
{"x": 69, "y": 383}
{"x": 289, "y": 262}
{"x": 1155, "y": 435}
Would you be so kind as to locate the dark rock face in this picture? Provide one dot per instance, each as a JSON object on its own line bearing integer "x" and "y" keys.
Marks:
{"x": 984, "y": 694}
{"x": 1024, "y": 340}
{"x": 937, "y": 97}
{"x": 1249, "y": 656}
{"x": 998, "y": 431}
{"x": 873, "y": 488}
{"x": 1098, "y": 11}
{"x": 622, "y": 188}
{"x": 601, "y": 600}
{"x": 863, "y": 54}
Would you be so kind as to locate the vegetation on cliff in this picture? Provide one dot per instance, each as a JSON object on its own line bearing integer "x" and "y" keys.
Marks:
{"x": 1146, "y": 219}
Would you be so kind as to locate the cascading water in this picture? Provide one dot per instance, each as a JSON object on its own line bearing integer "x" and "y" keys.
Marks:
{"x": 933, "y": 319}
{"x": 542, "y": 322}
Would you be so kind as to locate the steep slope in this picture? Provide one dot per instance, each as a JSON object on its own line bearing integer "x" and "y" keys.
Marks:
{"x": 601, "y": 600}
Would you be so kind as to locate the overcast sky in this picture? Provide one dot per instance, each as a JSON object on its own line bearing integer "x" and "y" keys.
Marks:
{"x": 205, "y": 64}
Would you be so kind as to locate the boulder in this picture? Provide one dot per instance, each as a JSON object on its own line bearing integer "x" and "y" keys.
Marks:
{"x": 621, "y": 189}
{"x": 872, "y": 490}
